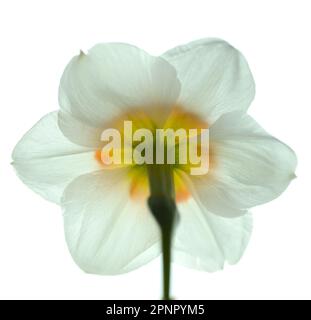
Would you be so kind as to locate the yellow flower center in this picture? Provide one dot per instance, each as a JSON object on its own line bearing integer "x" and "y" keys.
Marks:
{"x": 152, "y": 119}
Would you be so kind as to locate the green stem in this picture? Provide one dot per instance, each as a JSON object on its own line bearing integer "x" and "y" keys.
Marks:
{"x": 162, "y": 205}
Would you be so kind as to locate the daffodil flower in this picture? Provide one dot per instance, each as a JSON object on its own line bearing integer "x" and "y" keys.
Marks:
{"x": 108, "y": 226}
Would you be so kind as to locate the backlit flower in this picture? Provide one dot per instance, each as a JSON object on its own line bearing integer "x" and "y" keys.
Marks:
{"x": 108, "y": 226}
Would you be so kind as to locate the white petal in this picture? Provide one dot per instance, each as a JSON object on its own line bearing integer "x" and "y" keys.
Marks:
{"x": 47, "y": 161}
{"x": 79, "y": 132}
{"x": 249, "y": 167}
{"x": 114, "y": 77}
{"x": 206, "y": 241}
{"x": 106, "y": 232}
{"x": 215, "y": 78}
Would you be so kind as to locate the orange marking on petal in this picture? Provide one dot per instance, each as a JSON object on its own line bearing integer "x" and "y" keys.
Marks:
{"x": 103, "y": 159}
{"x": 98, "y": 156}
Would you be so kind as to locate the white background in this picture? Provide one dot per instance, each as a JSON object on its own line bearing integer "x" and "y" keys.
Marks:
{"x": 37, "y": 39}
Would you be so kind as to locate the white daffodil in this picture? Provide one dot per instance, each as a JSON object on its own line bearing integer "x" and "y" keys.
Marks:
{"x": 109, "y": 228}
